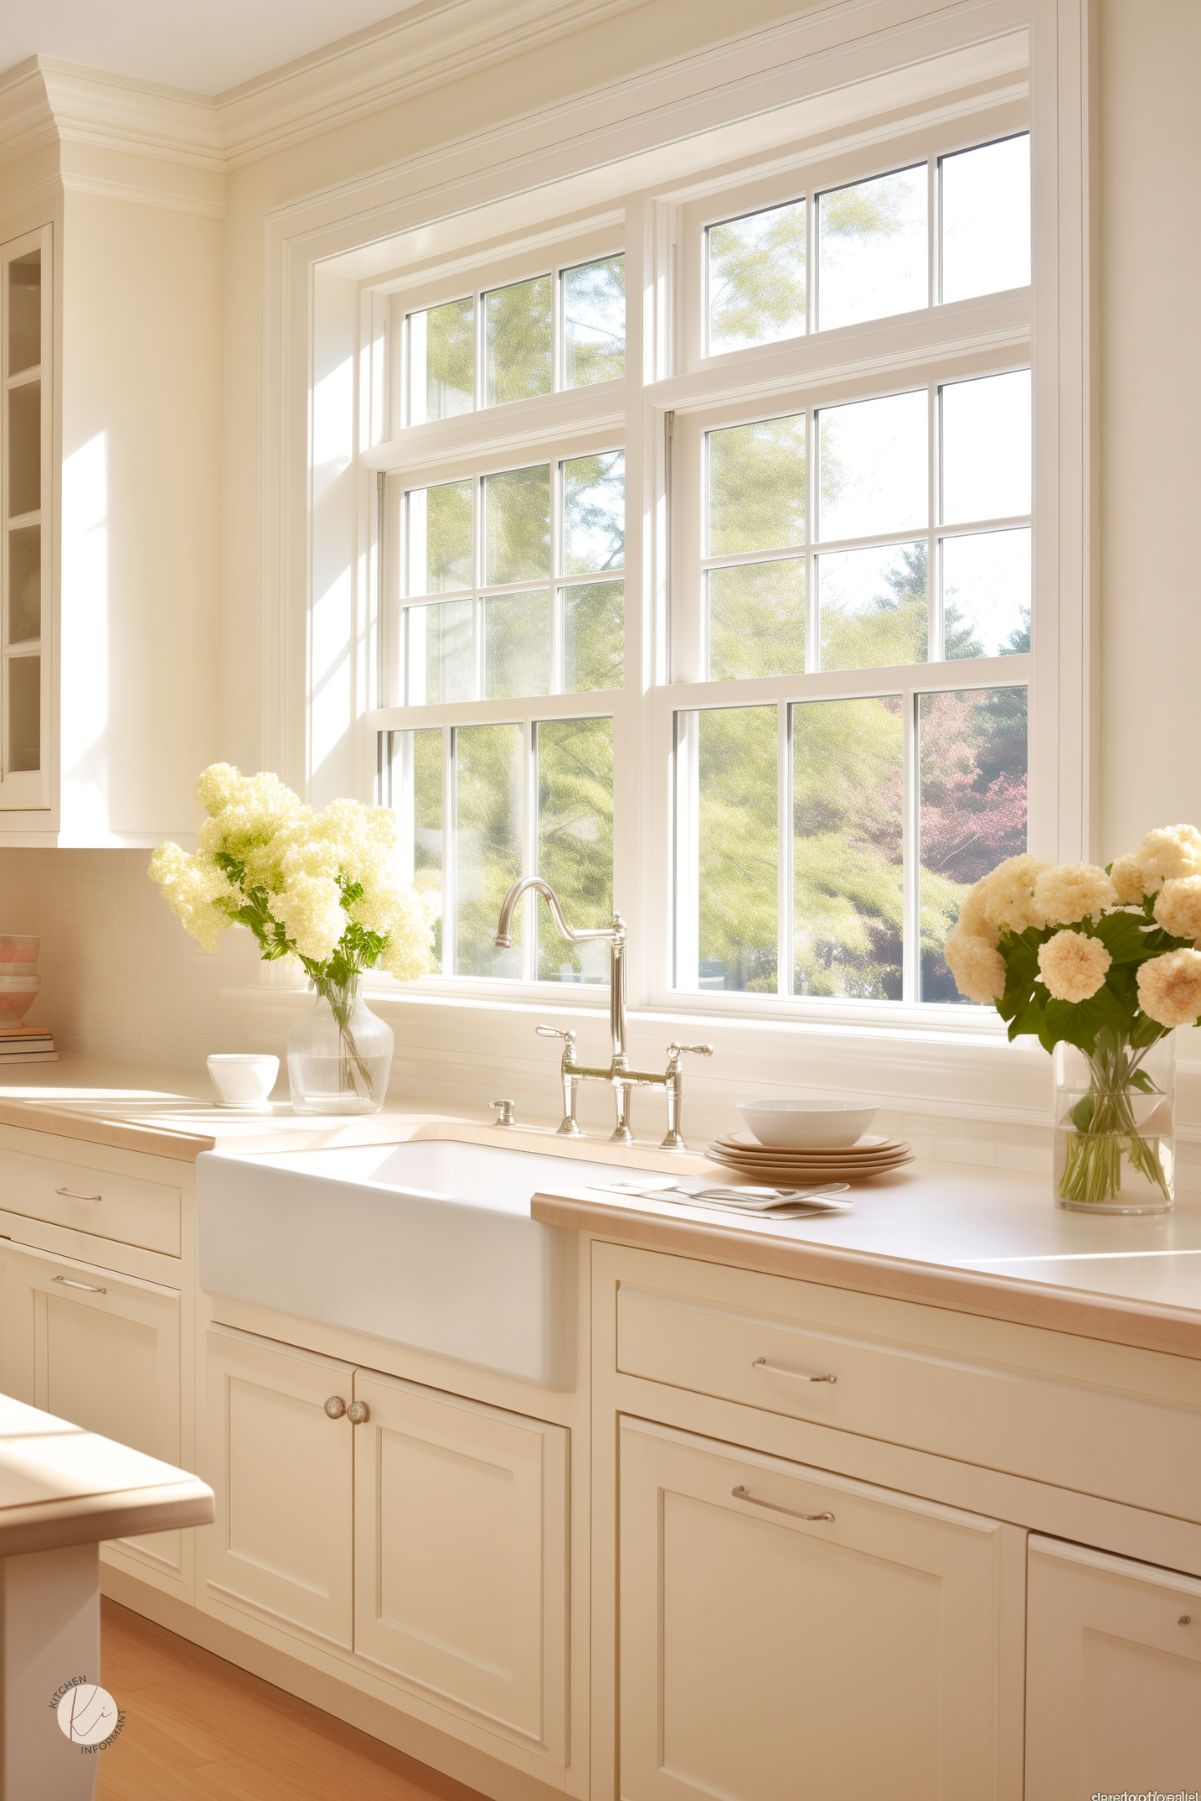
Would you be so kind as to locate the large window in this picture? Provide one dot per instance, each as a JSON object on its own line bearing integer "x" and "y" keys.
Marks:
{"x": 707, "y": 572}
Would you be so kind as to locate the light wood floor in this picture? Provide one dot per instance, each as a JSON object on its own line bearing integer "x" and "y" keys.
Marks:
{"x": 200, "y": 1729}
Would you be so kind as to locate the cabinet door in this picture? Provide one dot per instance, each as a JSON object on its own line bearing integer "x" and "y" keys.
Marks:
{"x": 461, "y": 1556}
{"x": 101, "y": 1351}
{"x": 26, "y": 347}
{"x": 787, "y": 1635}
{"x": 281, "y": 1469}
{"x": 1113, "y": 1675}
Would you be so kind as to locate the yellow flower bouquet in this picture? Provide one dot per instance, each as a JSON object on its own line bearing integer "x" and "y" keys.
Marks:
{"x": 1099, "y": 965}
{"x": 321, "y": 885}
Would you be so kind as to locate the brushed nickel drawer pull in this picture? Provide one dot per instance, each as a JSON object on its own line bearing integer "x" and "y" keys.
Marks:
{"x": 72, "y": 1194}
{"x": 88, "y": 1287}
{"x": 744, "y": 1494}
{"x": 780, "y": 1369}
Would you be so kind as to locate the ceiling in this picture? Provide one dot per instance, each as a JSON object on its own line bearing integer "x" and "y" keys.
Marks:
{"x": 182, "y": 43}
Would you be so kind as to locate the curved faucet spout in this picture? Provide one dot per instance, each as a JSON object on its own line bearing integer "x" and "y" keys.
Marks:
{"x": 614, "y": 935}
{"x": 504, "y": 925}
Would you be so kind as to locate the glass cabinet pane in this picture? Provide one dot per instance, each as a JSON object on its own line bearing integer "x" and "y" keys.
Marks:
{"x": 25, "y": 585}
{"x": 24, "y": 449}
{"x": 24, "y": 714}
{"x": 24, "y": 312}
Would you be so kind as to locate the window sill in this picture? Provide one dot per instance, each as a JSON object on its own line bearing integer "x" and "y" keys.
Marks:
{"x": 962, "y": 1069}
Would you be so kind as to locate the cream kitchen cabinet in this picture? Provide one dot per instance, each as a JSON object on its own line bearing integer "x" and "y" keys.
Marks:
{"x": 277, "y": 1453}
{"x": 102, "y": 1350}
{"x": 26, "y": 493}
{"x": 1113, "y": 1700}
{"x": 788, "y": 1635}
{"x": 461, "y": 1555}
{"x": 423, "y": 1534}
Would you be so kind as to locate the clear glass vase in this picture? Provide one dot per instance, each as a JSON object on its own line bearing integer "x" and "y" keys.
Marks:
{"x": 339, "y": 1054}
{"x": 1115, "y": 1146}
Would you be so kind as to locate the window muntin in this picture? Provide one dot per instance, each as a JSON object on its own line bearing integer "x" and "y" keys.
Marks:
{"x": 515, "y": 582}
{"x": 856, "y": 592}
{"x": 841, "y": 535}
{"x": 516, "y": 340}
{"x": 950, "y": 227}
{"x": 518, "y": 797}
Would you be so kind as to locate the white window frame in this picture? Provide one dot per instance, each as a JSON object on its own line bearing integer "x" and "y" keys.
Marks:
{"x": 924, "y": 349}
{"x": 734, "y": 97}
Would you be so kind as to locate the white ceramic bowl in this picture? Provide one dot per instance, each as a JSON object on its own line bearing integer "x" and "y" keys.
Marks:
{"x": 812, "y": 1125}
{"x": 243, "y": 1079}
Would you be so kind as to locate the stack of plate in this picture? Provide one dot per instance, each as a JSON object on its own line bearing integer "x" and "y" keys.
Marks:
{"x": 798, "y": 1165}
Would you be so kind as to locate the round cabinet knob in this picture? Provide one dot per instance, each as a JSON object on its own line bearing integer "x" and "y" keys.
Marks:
{"x": 357, "y": 1412}
{"x": 335, "y": 1407}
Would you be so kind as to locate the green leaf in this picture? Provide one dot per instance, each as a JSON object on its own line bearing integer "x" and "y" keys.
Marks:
{"x": 1070, "y": 1022}
{"x": 1124, "y": 936}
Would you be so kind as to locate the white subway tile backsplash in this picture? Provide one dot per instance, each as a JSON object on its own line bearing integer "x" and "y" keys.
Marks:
{"x": 120, "y": 977}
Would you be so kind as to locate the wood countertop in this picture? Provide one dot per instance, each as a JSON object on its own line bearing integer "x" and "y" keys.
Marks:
{"x": 956, "y": 1235}
{"x": 971, "y": 1237}
{"x": 60, "y": 1485}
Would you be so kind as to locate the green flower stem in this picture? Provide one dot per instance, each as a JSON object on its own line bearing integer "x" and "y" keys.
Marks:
{"x": 353, "y": 1073}
{"x": 1104, "y": 1129}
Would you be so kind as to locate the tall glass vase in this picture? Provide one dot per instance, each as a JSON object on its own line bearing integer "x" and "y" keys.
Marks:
{"x": 339, "y": 1055}
{"x": 1115, "y": 1144}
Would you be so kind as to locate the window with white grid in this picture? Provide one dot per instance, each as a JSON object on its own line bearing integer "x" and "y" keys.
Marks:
{"x": 707, "y": 583}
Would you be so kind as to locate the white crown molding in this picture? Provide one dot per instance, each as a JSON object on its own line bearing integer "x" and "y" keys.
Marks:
{"x": 26, "y": 121}
{"x": 44, "y": 101}
{"x": 171, "y": 200}
{"x": 423, "y": 48}
{"x": 113, "y": 113}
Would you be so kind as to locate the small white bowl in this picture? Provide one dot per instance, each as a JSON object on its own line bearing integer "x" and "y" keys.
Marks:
{"x": 811, "y": 1125}
{"x": 243, "y": 1079}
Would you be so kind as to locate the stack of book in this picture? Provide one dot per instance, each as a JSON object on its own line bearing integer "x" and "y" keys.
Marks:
{"x": 26, "y": 1044}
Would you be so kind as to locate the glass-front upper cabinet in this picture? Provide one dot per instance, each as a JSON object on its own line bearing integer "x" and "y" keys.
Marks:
{"x": 26, "y": 352}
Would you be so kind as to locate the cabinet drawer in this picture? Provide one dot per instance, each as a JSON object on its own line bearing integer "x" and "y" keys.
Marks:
{"x": 102, "y": 1351}
{"x": 1107, "y": 1420}
{"x": 101, "y": 1201}
{"x": 786, "y": 1635}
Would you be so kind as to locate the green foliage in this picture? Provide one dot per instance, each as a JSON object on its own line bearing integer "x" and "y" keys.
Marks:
{"x": 1112, "y": 1013}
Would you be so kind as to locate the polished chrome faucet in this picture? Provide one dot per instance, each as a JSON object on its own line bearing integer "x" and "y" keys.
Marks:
{"x": 621, "y": 1078}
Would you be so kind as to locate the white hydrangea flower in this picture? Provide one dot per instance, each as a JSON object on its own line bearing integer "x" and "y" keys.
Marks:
{"x": 311, "y": 912}
{"x": 1069, "y": 892}
{"x": 299, "y": 868}
{"x": 190, "y": 886}
{"x": 1169, "y": 851}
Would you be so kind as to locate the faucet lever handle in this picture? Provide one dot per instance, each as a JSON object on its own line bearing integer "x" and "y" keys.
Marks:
{"x": 556, "y": 1032}
{"x": 676, "y": 1051}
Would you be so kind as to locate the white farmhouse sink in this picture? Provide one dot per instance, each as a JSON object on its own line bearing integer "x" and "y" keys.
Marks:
{"x": 428, "y": 1244}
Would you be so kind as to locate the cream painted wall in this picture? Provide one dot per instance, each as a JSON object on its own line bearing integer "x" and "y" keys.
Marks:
{"x": 141, "y": 446}
{"x": 1149, "y": 619}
